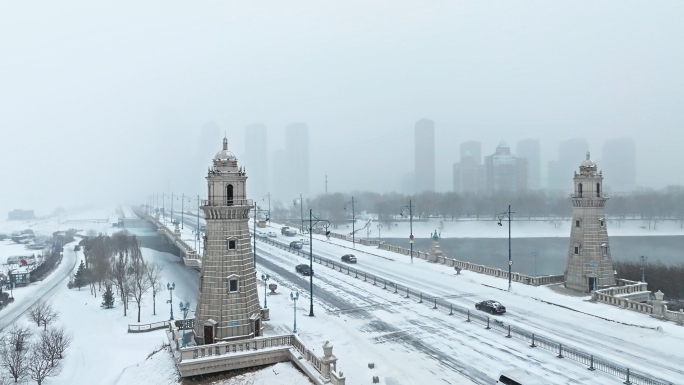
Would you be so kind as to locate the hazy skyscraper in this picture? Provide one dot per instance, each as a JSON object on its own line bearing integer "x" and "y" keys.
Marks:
{"x": 619, "y": 163}
{"x": 561, "y": 170}
{"x": 256, "y": 160}
{"x": 468, "y": 174}
{"x": 530, "y": 150}
{"x": 297, "y": 158}
{"x": 505, "y": 172}
{"x": 425, "y": 155}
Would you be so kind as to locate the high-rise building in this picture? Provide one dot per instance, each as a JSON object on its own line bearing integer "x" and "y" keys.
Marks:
{"x": 468, "y": 174}
{"x": 619, "y": 161}
{"x": 530, "y": 149}
{"x": 256, "y": 159}
{"x": 589, "y": 265}
{"x": 568, "y": 153}
{"x": 425, "y": 155}
{"x": 228, "y": 306}
{"x": 505, "y": 172}
{"x": 297, "y": 159}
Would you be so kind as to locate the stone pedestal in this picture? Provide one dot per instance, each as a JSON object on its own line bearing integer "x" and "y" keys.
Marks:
{"x": 328, "y": 360}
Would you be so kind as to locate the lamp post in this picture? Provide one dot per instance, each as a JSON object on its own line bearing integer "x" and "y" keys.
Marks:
{"x": 164, "y": 208}
{"x": 199, "y": 244}
{"x": 351, "y": 202}
{"x": 534, "y": 254}
{"x": 301, "y": 212}
{"x": 265, "y": 277}
{"x": 184, "y": 307}
{"x": 294, "y": 297}
{"x": 313, "y": 220}
{"x": 171, "y": 287}
{"x": 502, "y": 216}
{"x": 379, "y": 230}
{"x": 172, "y": 208}
{"x": 410, "y": 210}
{"x": 643, "y": 267}
{"x": 256, "y": 212}
{"x": 594, "y": 268}
{"x": 269, "y": 206}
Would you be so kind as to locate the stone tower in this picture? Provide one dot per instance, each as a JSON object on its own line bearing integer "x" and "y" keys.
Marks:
{"x": 589, "y": 263}
{"x": 228, "y": 305}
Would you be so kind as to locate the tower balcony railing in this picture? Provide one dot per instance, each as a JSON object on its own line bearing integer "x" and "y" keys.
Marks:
{"x": 223, "y": 203}
{"x": 587, "y": 195}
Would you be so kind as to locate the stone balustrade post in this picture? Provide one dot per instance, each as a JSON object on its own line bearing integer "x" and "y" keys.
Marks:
{"x": 329, "y": 361}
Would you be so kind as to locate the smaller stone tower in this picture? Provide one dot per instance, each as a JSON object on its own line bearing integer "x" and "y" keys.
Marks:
{"x": 589, "y": 263}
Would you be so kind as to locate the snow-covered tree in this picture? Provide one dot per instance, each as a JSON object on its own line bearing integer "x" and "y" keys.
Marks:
{"x": 108, "y": 297}
{"x": 80, "y": 277}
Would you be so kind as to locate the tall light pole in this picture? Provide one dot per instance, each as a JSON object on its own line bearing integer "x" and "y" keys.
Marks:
{"x": 164, "y": 208}
{"x": 313, "y": 220}
{"x": 410, "y": 210}
{"x": 294, "y": 297}
{"x": 269, "y": 206}
{"x": 256, "y": 212}
{"x": 199, "y": 243}
{"x": 534, "y": 254}
{"x": 301, "y": 212}
{"x": 351, "y": 202}
{"x": 184, "y": 307}
{"x": 171, "y": 208}
{"x": 502, "y": 216}
{"x": 182, "y": 210}
{"x": 171, "y": 287}
{"x": 643, "y": 267}
{"x": 379, "y": 230}
{"x": 265, "y": 278}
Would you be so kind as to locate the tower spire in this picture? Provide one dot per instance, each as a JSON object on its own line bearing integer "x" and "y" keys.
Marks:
{"x": 588, "y": 155}
{"x": 225, "y": 143}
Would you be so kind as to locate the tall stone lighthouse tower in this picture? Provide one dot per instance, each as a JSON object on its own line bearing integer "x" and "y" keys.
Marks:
{"x": 589, "y": 263}
{"x": 228, "y": 306}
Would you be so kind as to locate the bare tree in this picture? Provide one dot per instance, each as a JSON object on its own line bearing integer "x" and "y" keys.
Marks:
{"x": 154, "y": 277}
{"x": 43, "y": 312}
{"x": 139, "y": 280}
{"x": 39, "y": 368}
{"x": 15, "y": 351}
{"x": 53, "y": 344}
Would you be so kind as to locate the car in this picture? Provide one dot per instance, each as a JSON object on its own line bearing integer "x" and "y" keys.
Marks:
{"x": 349, "y": 258}
{"x": 272, "y": 234}
{"x": 493, "y": 307}
{"x": 284, "y": 229}
{"x": 296, "y": 245}
{"x": 304, "y": 241}
{"x": 304, "y": 269}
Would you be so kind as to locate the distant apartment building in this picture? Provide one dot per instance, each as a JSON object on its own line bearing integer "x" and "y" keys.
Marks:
{"x": 568, "y": 153}
{"x": 468, "y": 173}
{"x": 505, "y": 172}
{"x": 256, "y": 159}
{"x": 20, "y": 215}
{"x": 619, "y": 163}
{"x": 425, "y": 155}
{"x": 530, "y": 149}
{"x": 297, "y": 159}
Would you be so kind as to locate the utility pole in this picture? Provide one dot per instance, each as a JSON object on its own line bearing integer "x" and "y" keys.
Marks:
{"x": 411, "y": 237}
{"x": 643, "y": 268}
{"x": 353, "y": 220}
{"x": 182, "y": 209}
{"x": 164, "y": 208}
{"x": 269, "y": 206}
{"x": 171, "y": 208}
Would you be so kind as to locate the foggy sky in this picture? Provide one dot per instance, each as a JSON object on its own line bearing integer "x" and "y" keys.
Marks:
{"x": 104, "y": 103}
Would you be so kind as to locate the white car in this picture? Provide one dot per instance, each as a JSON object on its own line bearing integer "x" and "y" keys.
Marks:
{"x": 304, "y": 241}
{"x": 272, "y": 234}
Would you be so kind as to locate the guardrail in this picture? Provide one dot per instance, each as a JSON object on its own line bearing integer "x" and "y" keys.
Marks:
{"x": 437, "y": 303}
{"x": 148, "y": 327}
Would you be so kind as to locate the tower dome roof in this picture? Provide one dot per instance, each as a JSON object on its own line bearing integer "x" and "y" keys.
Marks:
{"x": 588, "y": 162}
{"x": 224, "y": 155}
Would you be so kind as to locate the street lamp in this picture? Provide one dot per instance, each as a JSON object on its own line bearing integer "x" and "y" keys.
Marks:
{"x": 301, "y": 211}
{"x": 351, "y": 202}
{"x": 313, "y": 220}
{"x": 294, "y": 297}
{"x": 643, "y": 267}
{"x": 171, "y": 287}
{"x": 410, "y": 210}
{"x": 502, "y": 216}
{"x": 185, "y": 307}
{"x": 265, "y": 277}
{"x": 379, "y": 230}
{"x": 269, "y": 206}
{"x": 534, "y": 254}
{"x": 256, "y": 212}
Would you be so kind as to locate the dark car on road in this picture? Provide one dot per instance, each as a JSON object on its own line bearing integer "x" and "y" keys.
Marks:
{"x": 296, "y": 245}
{"x": 493, "y": 307}
{"x": 349, "y": 258}
{"x": 304, "y": 270}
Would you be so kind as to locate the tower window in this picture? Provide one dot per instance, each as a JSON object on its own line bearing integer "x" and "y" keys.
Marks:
{"x": 598, "y": 190}
{"x": 577, "y": 223}
{"x": 604, "y": 249}
{"x": 232, "y": 244}
{"x": 576, "y": 249}
{"x": 233, "y": 286}
{"x": 229, "y": 195}
{"x": 579, "y": 189}
{"x": 601, "y": 223}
